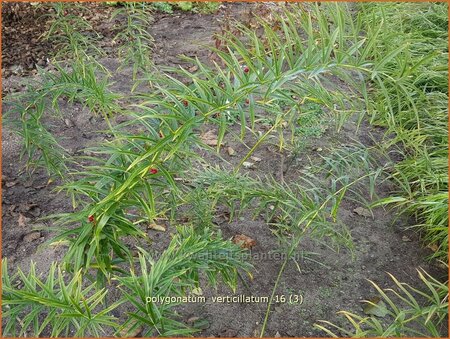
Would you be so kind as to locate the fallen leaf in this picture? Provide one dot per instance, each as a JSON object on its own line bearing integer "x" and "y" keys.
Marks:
{"x": 209, "y": 138}
{"x": 32, "y": 236}
{"x": 244, "y": 241}
{"x": 197, "y": 291}
{"x": 193, "y": 68}
{"x": 363, "y": 212}
{"x": 22, "y": 221}
{"x": 69, "y": 123}
{"x": 433, "y": 247}
{"x": 231, "y": 151}
{"x": 255, "y": 159}
{"x": 156, "y": 227}
{"x": 248, "y": 164}
{"x": 375, "y": 306}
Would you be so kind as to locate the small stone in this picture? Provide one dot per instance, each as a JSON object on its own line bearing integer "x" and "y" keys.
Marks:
{"x": 406, "y": 239}
{"x": 69, "y": 123}
{"x": 363, "y": 212}
{"x": 231, "y": 151}
{"x": 247, "y": 164}
{"x": 11, "y": 184}
{"x": 22, "y": 220}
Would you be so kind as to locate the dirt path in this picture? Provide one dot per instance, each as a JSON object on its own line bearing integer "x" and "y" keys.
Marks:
{"x": 338, "y": 282}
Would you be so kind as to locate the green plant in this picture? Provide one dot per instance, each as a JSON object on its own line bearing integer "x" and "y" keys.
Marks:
{"x": 59, "y": 305}
{"x": 30, "y": 109}
{"x": 306, "y": 66}
{"x": 176, "y": 274}
{"x": 263, "y": 80}
{"x": 135, "y": 42}
{"x": 311, "y": 122}
{"x": 86, "y": 81}
{"x": 410, "y": 312}
{"x": 67, "y": 32}
{"x": 129, "y": 189}
{"x": 276, "y": 75}
{"x": 81, "y": 84}
{"x": 194, "y": 6}
{"x": 63, "y": 303}
{"x": 40, "y": 147}
{"x": 410, "y": 98}
{"x": 206, "y": 6}
{"x": 165, "y": 7}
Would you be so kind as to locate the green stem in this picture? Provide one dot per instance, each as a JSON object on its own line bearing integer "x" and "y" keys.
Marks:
{"x": 296, "y": 243}
{"x": 266, "y": 318}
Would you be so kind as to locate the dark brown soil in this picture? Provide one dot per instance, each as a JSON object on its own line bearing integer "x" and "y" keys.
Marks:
{"x": 24, "y": 26}
{"x": 337, "y": 283}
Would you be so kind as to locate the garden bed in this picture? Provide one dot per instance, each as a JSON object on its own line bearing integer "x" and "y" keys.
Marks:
{"x": 328, "y": 275}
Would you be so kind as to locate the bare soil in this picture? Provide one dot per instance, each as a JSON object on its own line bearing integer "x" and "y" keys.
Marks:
{"x": 337, "y": 283}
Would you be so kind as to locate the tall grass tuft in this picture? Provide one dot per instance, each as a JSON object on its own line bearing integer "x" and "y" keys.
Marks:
{"x": 410, "y": 98}
{"x": 409, "y": 311}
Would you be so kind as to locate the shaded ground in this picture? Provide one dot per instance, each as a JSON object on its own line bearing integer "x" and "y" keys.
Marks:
{"x": 338, "y": 282}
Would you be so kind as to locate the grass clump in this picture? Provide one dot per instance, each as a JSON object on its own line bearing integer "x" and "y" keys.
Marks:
{"x": 135, "y": 42}
{"x": 187, "y": 6}
{"x": 61, "y": 302}
{"x": 409, "y": 311}
{"x": 176, "y": 273}
{"x": 410, "y": 98}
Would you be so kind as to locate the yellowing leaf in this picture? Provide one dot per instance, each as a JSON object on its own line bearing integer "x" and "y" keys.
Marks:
{"x": 156, "y": 227}
{"x": 375, "y": 306}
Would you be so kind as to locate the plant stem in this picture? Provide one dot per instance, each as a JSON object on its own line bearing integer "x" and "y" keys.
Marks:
{"x": 266, "y": 317}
